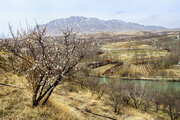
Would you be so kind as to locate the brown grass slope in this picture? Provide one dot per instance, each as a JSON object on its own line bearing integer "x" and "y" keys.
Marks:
{"x": 15, "y": 103}
{"x": 67, "y": 103}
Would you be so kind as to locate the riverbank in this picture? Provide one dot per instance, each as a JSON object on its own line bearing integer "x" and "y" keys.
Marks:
{"x": 156, "y": 83}
{"x": 156, "y": 78}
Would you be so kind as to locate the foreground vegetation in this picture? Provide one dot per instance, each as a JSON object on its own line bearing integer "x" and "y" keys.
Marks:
{"x": 43, "y": 60}
{"x": 90, "y": 101}
{"x": 16, "y": 102}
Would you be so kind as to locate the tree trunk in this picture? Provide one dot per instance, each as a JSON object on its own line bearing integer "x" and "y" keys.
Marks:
{"x": 46, "y": 93}
{"x": 135, "y": 103}
{"x": 35, "y": 103}
{"x": 82, "y": 84}
{"x": 157, "y": 107}
{"x": 49, "y": 94}
{"x": 115, "y": 108}
{"x": 127, "y": 102}
{"x": 170, "y": 113}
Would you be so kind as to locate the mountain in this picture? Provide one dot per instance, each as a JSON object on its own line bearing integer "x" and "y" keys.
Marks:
{"x": 84, "y": 24}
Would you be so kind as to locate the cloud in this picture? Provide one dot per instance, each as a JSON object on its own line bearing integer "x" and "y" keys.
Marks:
{"x": 171, "y": 11}
{"x": 153, "y": 12}
{"x": 120, "y": 12}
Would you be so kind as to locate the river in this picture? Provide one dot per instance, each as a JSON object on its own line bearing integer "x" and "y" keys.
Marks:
{"x": 165, "y": 84}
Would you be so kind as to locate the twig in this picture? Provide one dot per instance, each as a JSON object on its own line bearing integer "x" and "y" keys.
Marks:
{"x": 8, "y": 85}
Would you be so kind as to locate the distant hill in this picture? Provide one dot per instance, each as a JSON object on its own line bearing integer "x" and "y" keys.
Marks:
{"x": 84, "y": 24}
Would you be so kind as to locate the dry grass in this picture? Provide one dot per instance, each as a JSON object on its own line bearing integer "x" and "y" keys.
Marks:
{"x": 139, "y": 70}
{"x": 172, "y": 72}
{"x": 64, "y": 104}
{"x": 67, "y": 103}
{"x": 16, "y": 103}
{"x": 128, "y": 50}
{"x": 101, "y": 70}
{"x": 83, "y": 100}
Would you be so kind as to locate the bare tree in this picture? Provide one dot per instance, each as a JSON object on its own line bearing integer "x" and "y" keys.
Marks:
{"x": 91, "y": 84}
{"x": 172, "y": 102}
{"x": 136, "y": 93}
{"x": 126, "y": 99}
{"x": 169, "y": 98}
{"x": 96, "y": 87}
{"x": 116, "y": 95}
{"x": 45, "y": 60}
{"x": 156, "y": 98}
{"x": 100, "y": 90}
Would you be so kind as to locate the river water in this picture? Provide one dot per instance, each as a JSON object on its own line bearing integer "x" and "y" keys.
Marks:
{"x": 166, "y": 85}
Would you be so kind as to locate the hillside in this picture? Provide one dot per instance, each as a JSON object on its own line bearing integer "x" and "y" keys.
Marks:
{"x": 84, "y": 24}
{"x": 67, "y": 103}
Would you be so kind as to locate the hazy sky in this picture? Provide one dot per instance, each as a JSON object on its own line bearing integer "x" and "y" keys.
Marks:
{"x": 148, "y": 12}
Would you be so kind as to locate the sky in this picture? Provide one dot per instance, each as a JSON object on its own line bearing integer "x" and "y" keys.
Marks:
{"x": 164, "y": 13}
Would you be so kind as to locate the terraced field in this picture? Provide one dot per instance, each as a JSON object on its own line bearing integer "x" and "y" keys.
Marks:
{"x": 130, "y": 50}
{"x": 140, "y": 59}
